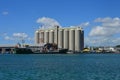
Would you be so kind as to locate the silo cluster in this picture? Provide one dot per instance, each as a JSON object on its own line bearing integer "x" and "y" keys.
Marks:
{"x": 66, "y": 38}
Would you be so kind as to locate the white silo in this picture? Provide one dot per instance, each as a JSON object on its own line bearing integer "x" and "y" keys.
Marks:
{"x": 37, "y": 37}
{"x": 71, "y": 39}
{"x": 66, "y": 39}
{"x": 77, "y": 39}
{"x": 60, "y": 38}
{"x": 46, "y": 36}
{"x": 51, "y": 36}
{"x": 41, "y": 35}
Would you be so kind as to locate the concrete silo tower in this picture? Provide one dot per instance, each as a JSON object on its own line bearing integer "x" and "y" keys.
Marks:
{"x": 46, "y": 36}
{"x": 77, "y": 39}
{"x": 60, "y": 38}
{"x": 37, "y": 37}
{"x": 51, "y": 36}
{"x": 72, "y": 39}
{"x": 41, "y": 35}
{"x": 66, "y": 39}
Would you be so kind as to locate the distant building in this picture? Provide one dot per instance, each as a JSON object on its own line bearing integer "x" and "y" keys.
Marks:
{"x": 66, "y": 38}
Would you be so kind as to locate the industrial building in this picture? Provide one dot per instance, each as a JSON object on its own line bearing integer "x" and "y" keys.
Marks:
{"x": 66, "y": 38}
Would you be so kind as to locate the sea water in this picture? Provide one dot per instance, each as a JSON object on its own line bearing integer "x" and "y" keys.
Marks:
{"x": 59, "y": 66}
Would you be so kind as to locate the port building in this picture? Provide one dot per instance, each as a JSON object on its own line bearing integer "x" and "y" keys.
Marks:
{"x": 71, "y": 38}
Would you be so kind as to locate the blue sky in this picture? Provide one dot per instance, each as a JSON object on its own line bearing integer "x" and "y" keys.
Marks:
{"x": 99, "y": 18}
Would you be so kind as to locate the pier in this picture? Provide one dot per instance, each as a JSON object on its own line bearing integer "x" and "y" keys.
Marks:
{"x": 6, "y": 49}
{"x": 10, "y": 48}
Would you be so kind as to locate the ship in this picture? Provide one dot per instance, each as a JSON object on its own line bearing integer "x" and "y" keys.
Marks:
{"x": 22, "y": 51}
{"x": 29, "y": 51}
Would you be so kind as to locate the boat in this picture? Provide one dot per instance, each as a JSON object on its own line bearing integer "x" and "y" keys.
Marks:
{"x": 22, "y": 51}
{"x": 29, "y": 51}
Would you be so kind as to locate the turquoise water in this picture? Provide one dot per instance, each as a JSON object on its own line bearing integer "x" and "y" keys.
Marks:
{"x": 60, "y": 67}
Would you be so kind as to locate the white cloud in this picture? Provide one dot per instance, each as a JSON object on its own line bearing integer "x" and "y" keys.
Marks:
{"x": 107, "y": 19}
{"x": 109, "y": 27}
{"x": 116, "y": 41}
{"x": 7, "y": 38}
{"x": 109, "y": 22}
{"x": 30, "y": 39}
{"x": 20, "y": 35}
{"x": 5, "y": 13}
{"x": 3, "y": 34}
{"x": 101, "y": 41}
{"x": 84, "y": 24}
{"x": 106, "y": 33}
{"x": 99, "y": 31}
{"x": 47, "y": 22}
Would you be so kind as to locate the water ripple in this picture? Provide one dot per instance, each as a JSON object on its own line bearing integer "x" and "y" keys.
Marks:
{"x": 60, "y": 67}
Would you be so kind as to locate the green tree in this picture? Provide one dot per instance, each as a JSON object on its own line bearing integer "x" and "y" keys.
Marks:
{"x": 117, "y": 45}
